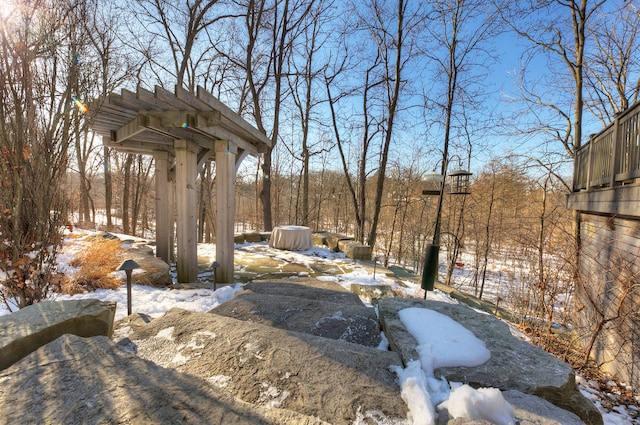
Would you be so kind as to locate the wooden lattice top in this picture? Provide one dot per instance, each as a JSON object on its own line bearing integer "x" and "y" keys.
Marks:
{"x": 147, "y": 122}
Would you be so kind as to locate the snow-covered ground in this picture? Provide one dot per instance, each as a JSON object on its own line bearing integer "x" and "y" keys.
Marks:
{"x": 421, "y": 390}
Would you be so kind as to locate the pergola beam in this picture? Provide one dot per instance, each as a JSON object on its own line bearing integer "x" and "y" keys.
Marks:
{"x": 131, "y": 129}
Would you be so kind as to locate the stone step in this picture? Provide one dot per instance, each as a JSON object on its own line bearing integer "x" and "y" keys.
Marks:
{"x": 313, "y": 289}
{"x": 341, "y": 321}
{"x": 335, "y": 381}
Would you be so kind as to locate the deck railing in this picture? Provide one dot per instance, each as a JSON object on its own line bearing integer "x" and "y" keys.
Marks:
{"x": 611, "y": 157}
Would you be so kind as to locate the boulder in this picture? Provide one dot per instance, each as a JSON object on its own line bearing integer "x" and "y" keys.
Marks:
{"x": 343, "y": 322}
{"x": 320, "y": 238}
{"x": 253, "y": 237}
{"x": 355, "y": 250}
{"x": 372, "y": 292}
{"x": 514, "y": 364}
{"x": 335, "y": 381}
{"x": 28, "y": 329}
{"x": 333, "y": 239}
{"x": 75, "y": 380}
{"x": 532, "y": 410}
{"x": 529, "y": 410}
{"x": 153, "y": 270}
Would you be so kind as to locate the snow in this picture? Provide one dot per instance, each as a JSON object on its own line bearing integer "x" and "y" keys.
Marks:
{"x": 155, "y": 302}
{"x": 483, "y": 403}
{"x": 441, "y": 341}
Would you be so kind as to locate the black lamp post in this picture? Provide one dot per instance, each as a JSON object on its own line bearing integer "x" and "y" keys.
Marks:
{"x": 460, "y": 185}
{"x": 128, "y": 266}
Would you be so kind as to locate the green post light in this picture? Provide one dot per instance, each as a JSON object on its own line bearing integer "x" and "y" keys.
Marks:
{"x": 430, "y": 271}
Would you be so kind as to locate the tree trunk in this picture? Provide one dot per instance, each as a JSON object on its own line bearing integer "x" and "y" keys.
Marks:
{"x": 487, "y": 241}
{"x": 265, "y": 192}
{"x": 391, "y": 114}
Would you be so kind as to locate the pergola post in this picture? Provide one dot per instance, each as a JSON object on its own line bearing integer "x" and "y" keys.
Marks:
{"x": 163, "y": 212}
{"x": 172, "y": 213}
{"x": 186, "y": 200}
{"x": 225, "y": 208}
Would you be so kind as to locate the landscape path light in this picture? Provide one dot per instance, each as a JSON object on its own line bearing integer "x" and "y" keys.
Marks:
{"x": 128, "y": 266}
{"x": 214, "y": 267}
{"x": 375, "y": 263}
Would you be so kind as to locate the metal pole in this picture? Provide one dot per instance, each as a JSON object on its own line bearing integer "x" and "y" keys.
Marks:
{"x": 128, "y": 272}
{"x": 430, "y": 270}
{"x": 214, "y": 267}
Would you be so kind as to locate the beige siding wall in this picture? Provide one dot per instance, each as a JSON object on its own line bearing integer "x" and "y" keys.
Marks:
{"x": 609, "y": 293}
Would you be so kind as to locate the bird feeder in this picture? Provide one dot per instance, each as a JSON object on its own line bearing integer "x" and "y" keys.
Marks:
{"x": 128, "y": 266}
{"x": 460, "y": 182}
{"x": 433, "y": 184}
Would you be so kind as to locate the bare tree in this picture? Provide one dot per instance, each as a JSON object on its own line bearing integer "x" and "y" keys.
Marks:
{"x": 36, "y": 108}
{"x": 126, "y": 193}
{"x": 184, "y": 29}
{"x": 387, "y": 26}
{"x": 545, "y": 25}
{"x": 559, "y": 113}
{"x": 458, "y": 32}
{"x": 106, "y": 64}
{"x": 609, "y": 67}
{"x": 273, "y": 26}
{"x": 305, "y": 73}
{"x": 394, "y": 59}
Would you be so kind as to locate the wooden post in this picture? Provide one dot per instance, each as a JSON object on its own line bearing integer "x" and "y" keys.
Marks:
{"x": 163, "y": 213}
{"x": 225, "y": 208}
{"x": 590, "y": 160}
{"x": 172, "y": 211}
{"x": 187, "y": 232}
{"x": 615, "y": 150}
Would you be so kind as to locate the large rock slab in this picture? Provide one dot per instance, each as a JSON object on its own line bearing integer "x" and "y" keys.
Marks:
{"x": 75, "y": 380}
{"x": 514, "y": 364}
{"x": 32, "y": 327}
{"x": 340, "y": 321}
{"x": 333, "y": 380}
{"x": 310, "y": 288}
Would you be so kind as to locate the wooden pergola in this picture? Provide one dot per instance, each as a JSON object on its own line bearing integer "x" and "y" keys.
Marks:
{"x": 182, "y": 131}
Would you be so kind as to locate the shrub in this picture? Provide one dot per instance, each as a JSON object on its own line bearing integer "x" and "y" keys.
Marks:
{"x": 96, "y": 263}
